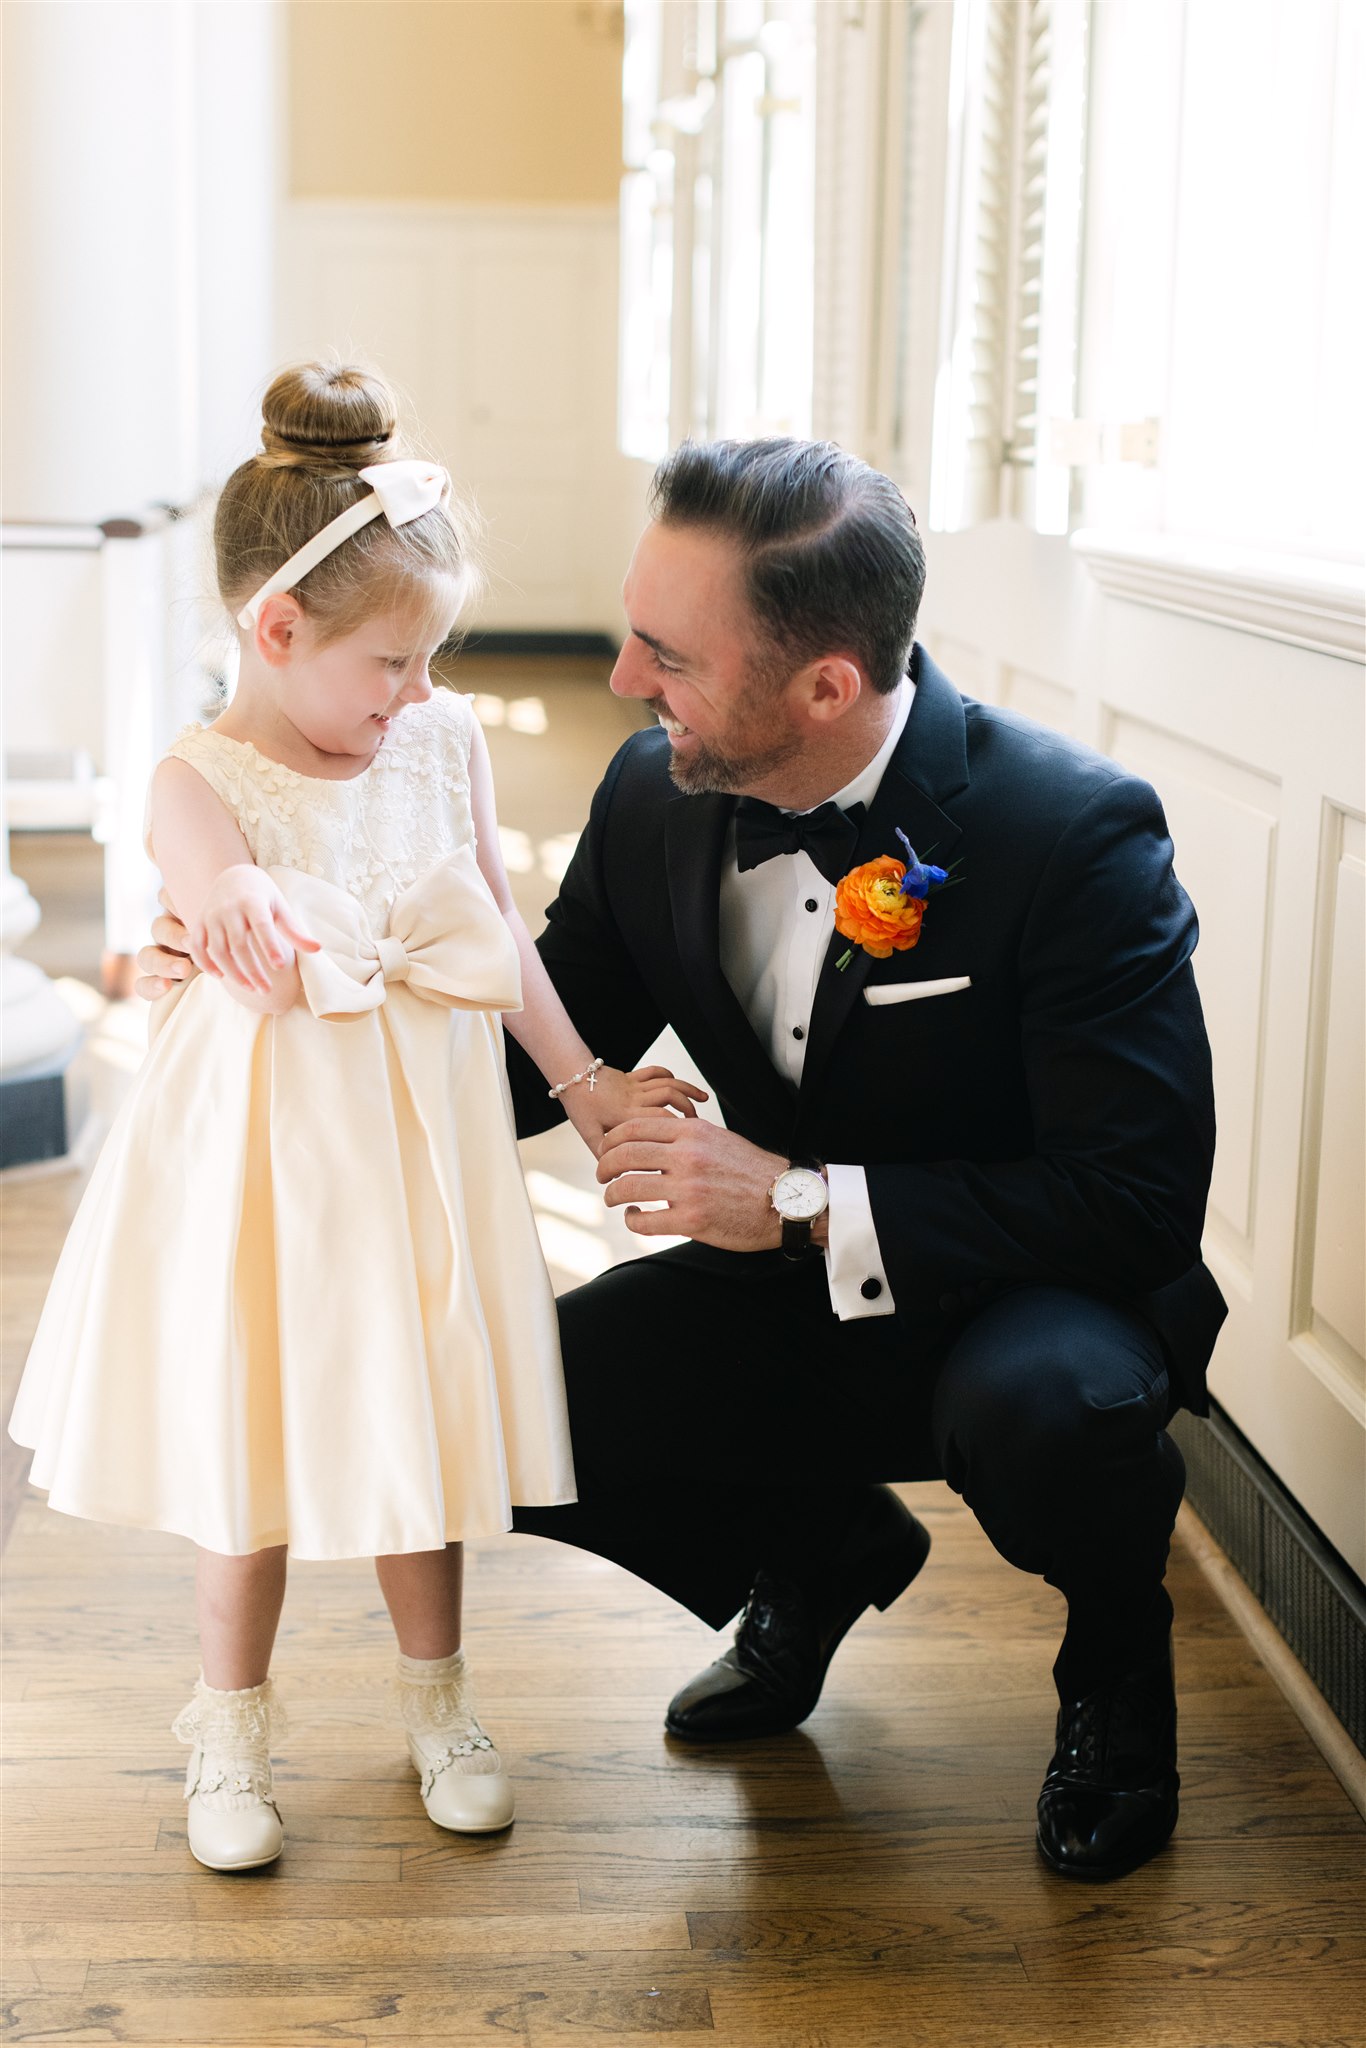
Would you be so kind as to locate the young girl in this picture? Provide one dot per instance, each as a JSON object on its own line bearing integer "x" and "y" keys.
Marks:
{"x": 303, "y": 1306}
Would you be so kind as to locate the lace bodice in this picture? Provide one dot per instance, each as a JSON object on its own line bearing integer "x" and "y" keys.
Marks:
{"x": 373, "y": 835}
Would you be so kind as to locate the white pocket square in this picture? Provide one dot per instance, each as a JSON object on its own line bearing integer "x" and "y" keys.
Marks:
{"x": 915, "y": 991}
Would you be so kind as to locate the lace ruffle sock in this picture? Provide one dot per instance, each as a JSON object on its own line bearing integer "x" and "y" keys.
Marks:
{"x": 232, "y": 1818}
{"x": 463, "y": 1784}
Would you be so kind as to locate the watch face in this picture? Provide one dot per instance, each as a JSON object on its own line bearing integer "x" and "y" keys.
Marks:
{"x": 800, "y": 1194}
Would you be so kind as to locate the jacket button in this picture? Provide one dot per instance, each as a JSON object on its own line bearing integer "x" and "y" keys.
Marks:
{"x": 871, "y": 1289}
{"x": 948, "y": 1302}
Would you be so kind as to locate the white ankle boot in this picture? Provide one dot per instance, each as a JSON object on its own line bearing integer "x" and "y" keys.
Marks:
{"x": 463, "y": 1785}
{"x": 234, "y": 1823}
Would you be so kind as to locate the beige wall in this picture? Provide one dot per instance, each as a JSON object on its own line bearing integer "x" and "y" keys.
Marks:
{"x": 485, "y": 101}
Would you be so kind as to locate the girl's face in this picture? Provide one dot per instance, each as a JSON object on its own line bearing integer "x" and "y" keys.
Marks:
{"x": 343, "y": 697}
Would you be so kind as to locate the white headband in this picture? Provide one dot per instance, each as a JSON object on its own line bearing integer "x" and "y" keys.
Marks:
{"x": 400, "y": 490}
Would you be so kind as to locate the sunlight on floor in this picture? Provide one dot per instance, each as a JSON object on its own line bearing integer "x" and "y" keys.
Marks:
{"x": 519, "y": 714}
{"x": 524, "y": 856}
{"x": 555, "y": 1197}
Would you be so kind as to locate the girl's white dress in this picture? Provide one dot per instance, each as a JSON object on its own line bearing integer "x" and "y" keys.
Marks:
{"x": 303, "y": 1300}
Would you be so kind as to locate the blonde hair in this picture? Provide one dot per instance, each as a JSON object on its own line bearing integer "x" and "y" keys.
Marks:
{"x": 322, "y": 423}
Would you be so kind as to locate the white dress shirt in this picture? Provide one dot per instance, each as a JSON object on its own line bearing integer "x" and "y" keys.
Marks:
{"x": 776, "y": 922}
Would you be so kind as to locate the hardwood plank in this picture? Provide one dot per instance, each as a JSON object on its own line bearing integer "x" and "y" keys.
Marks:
{"x": 188, "y": 1894}
{"x": 431, "y": 1937}
{"x": 20, "y": 1974}
{"x": 851, "y": 2014}
{"x": 456, "y": 2013}
{"x": 496, "y": 1976}
{"x": 875, "y": 2007}
{"x": 1039, "y": 1927}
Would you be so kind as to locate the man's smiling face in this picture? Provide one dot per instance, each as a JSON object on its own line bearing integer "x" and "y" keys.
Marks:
{"x": 694, "y": 654}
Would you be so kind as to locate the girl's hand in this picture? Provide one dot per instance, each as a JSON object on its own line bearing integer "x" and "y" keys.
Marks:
{"x": 246, "y": 930}
{"x": 616, "y": 1097}
{"x": 647, "y": 1088}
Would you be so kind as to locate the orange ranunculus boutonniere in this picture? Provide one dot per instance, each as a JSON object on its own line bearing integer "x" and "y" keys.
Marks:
{"x": 881, "y": 905}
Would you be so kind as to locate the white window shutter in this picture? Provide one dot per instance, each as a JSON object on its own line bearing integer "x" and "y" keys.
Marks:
{"x": 848, "y": 41}
{"x": 990, "y": 260}
{"x": 1008, "y": 332}
{"x": 919, "y": 124}
{"x": 1029, "y": 173}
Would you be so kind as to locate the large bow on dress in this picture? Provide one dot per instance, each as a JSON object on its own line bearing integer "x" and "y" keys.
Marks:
{"x": 447, "y": 941}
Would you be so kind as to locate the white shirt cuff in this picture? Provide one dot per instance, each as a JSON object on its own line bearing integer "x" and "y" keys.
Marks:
{"x": 853, "y": 1263}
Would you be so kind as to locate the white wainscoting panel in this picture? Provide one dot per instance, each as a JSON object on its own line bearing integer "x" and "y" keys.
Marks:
{"x": 1329, "y": 1293}
{"x": 1222, "y": 817}
{"x": 1256, "y": 748}
{"x": 500, "y": 326}
{"x": 1035, "y": 697}
{"x": 966, "y": 666}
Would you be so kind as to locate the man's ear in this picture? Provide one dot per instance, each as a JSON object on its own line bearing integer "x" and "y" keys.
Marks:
{"x": 275, "y": 635}
{"x": 830, "y": 687}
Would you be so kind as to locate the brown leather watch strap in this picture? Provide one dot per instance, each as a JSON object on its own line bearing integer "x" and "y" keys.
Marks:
{"x": 796, "y": 1236}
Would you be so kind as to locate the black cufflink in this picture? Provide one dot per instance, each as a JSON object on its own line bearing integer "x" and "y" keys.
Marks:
{"x": 871, "y": 1289}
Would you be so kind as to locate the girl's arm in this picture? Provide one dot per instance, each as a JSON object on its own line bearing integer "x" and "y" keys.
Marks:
{"x": 239, "y": 926}
{"x": 543, "y": 1025}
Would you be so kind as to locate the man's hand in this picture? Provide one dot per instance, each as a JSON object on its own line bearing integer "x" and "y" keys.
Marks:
{"x": 167, "y": 960}
{"x": 715, "y": 1183}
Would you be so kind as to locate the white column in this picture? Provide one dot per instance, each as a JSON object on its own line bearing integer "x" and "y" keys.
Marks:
{"x": 140, "y": 166}
{"x": 99, "y": 407}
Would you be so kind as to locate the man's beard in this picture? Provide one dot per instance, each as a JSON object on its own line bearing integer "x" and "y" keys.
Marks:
{"x": 710, "y": 771}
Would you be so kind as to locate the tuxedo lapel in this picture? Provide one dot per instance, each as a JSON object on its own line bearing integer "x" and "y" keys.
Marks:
{"x": 695, "y": 842}
{"x": 930, "y": 762}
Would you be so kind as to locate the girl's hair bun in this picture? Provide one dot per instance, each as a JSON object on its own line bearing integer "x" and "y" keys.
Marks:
{"x": 328, "y": 417}
{"x": 321, "y": 423}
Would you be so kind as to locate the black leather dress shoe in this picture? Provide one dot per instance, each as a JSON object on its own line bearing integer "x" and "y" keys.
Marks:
{"x": 771, "y": 1677}
{"x": 1109, "y": 1801}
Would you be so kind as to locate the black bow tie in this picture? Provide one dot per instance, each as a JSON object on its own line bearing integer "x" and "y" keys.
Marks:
{"x": 828, "y": 834}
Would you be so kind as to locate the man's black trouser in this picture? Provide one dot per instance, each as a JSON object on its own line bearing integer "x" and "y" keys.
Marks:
{"x": 723, "y": 1418}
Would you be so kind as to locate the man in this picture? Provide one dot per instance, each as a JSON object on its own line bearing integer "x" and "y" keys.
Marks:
{"x": 953, "y": 1223}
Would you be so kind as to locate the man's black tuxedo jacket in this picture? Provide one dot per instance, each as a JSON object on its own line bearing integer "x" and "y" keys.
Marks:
{"x": 1051, "y": 1124}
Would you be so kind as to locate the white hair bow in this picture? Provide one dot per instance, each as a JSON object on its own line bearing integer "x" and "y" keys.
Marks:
{"x": 400, "y": 490}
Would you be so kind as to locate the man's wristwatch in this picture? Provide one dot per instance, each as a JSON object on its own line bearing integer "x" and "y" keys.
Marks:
{"x": 800, "y": 1194}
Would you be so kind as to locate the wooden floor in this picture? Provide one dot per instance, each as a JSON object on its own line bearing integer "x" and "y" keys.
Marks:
{"x": 870, "y": 1882}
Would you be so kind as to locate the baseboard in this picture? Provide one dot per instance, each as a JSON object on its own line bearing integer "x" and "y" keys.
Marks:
{"x": 1313, "y": 1598}
{"x": 599, "y": 645}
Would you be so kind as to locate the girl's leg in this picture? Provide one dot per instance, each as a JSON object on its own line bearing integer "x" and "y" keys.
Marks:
{"x": 232, "y": 1820}
{"x": 463, "y": 1785}
{"x": 239, "y": 1601}
{"x": 422, "y": 1591}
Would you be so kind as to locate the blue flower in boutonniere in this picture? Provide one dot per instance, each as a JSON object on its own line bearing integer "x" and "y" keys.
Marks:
{"x": 921, "y": 875}
{"x": 881, "y": 905}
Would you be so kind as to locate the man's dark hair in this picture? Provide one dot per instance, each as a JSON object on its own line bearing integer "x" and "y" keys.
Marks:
{"x": 833, "y": 561}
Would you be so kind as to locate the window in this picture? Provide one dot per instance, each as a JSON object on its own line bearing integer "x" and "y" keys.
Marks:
{"x": 1012, "y": 243}
{"x": 1225, "y": 254}
{"x": 717, "y": 263}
